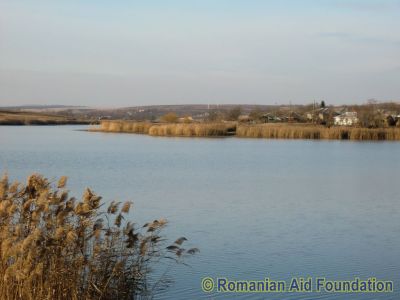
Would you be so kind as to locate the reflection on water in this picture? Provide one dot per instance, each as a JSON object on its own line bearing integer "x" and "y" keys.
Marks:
{"x": 255, "y": 208}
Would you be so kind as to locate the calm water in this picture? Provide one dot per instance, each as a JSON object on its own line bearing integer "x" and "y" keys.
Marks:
{"x": 255, "y": 208}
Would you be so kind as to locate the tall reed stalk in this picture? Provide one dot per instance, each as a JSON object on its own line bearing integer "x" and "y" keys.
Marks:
{"x": 56, "y": 247}
{"x": 193, "y": 130}
{"x": 169, "y": 129}
{"x": 270, "y": 131}
{"x": 284, "y": 131}
{"x": 125, "y": 126}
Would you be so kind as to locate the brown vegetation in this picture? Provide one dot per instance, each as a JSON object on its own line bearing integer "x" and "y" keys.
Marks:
{"x": 270, "y": 130}
{"x": 124, "y": 126}
{"x": 30, "y": 118}
{"x": 302, "y": 131}
{"x": 160, "y": 129}
{"x": 170, "y": 118}
{"x": 193, "y": 130}
{"x": 55, "y": 247}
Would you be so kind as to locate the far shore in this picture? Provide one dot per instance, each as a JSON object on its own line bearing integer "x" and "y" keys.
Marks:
{"x": 236, "y": 129}
{"x": 32, "y": 118}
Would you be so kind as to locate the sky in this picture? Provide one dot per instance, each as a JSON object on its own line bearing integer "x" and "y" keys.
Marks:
{"x": 125, "y": 53}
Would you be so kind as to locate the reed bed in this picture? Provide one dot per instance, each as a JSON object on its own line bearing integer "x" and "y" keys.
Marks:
{"x": 270, "y": 131}
{"x": 284, "y": 131}
{"x": 53, "y": 246}
{"x": 125, "y": 126}
{"x": 193, "y": 130}
{"x": 182, "y": 129}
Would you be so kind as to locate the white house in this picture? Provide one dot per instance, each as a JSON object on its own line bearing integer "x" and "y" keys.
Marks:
{"x": 346, "y": 119}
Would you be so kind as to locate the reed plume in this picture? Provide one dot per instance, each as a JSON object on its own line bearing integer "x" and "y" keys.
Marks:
{"x": 303, "y": 131}
{"x": 270, "y": 131}
{"x": 193, "y": 130}
{"x": 169, "y": 129}
{"x": 55, "y": 247}
{"x": 123, "y": 126}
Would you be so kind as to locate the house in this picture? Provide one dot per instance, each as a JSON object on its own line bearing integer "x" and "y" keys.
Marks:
{"x": 294, "y": 117}
{"x": 316, "y": 115}
{"x": 380, "y": 119}
{"x": 270, "y": 118}
{"x": 346, "y": 119}
{"x": 390, "y": 120}
{"x": 325, "y": 114}
{"x": 321, "y": 115}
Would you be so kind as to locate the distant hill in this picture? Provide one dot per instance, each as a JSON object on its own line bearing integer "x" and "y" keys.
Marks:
{"x": 14, "y": 117}
{"x": 196, "y": 111}
{"x": 40, "y": 107}
{"x": 148, "y": 112}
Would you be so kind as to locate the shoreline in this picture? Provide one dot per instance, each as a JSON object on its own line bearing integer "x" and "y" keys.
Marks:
{"x": 44, "y": 123}
{"x": 263, "y": 131}
{"x": 15, "y": 118}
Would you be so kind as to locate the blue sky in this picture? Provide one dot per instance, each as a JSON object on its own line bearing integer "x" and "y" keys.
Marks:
{"x": 123, "y": 53}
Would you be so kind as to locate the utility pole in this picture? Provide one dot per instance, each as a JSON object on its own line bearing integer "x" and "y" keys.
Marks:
{"x": 313, "y": 115}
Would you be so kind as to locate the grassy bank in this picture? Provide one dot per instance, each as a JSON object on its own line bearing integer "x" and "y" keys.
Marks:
{"x": 269, "y": 131}
{"x": 29, "y": 118}
{"x": 300, "y": 131}
{"x": 188, "y": 130}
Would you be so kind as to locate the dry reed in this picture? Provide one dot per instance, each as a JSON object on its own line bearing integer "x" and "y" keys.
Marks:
{"x": 125, "y": 126}
{"x": 285, "y": 131}
{"x": 183, "y": 129}
{"x": 271, "y": 131}
{"x": 193, "y": 130}
{"x": 55, "y": 247}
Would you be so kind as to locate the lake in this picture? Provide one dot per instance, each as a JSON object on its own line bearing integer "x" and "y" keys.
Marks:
{"x": 255, "y": 208}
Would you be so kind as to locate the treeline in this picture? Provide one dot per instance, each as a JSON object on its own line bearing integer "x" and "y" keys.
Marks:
{"x": 370, "y": 115}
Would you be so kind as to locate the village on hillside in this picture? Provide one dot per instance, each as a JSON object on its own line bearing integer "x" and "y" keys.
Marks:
{"x": 370, "y": 115}
{"x": 373, "y": 114}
